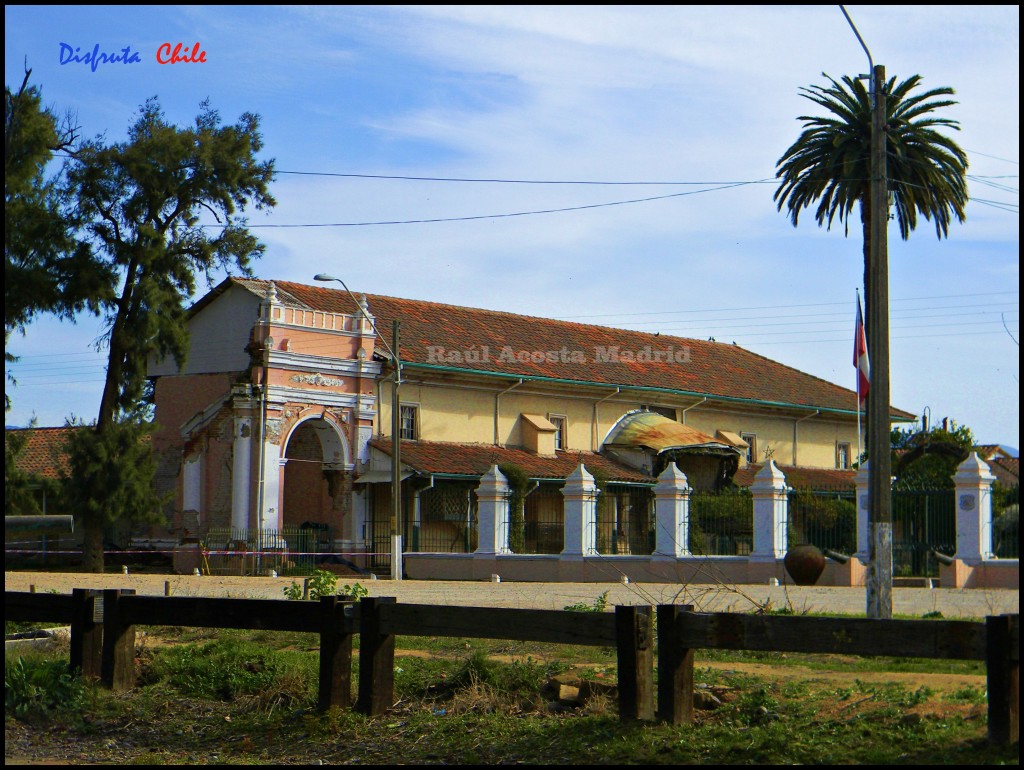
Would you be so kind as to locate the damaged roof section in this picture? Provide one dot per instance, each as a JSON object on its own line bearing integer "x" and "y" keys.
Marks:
{"x": 649, "y": 430}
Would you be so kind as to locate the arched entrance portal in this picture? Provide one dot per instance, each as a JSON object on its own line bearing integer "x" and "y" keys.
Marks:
{"x": 314, "y": 479}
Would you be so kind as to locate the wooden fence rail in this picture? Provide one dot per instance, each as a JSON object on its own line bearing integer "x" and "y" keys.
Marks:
{"x": 103, "y": 641}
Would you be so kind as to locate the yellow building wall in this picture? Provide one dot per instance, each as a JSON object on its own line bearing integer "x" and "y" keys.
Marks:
{"x": 466, "y": 415}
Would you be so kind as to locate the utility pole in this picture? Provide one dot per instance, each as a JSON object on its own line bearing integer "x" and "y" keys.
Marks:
{"x": 396, "y": 458}
{"x": 879, "y": 579}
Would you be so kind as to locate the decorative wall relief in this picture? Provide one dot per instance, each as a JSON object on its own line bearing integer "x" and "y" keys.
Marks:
{"x": 317, "y": 379}
{"x": 273, "y": 431}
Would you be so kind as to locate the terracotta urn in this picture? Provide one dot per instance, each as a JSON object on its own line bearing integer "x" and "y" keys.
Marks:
{"x": 804, "y": 563}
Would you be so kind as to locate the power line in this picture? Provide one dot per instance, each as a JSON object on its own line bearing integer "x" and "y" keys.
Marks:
{"x": 499, "y": 216}
{"x": 783, "y": 307}
{"x": 516, "y": 181}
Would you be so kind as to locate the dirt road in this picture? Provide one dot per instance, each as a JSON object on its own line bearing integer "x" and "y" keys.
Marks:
{"x": 952, "y": 603}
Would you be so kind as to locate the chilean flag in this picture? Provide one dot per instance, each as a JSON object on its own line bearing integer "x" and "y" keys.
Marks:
{"x": 860, "y": 357}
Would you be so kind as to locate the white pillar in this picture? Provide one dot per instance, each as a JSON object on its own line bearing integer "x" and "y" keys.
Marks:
{"x": 771, "y": 512}
{"x": 973, "y": 481}
{"x": 861, "y": 481}
{"x": 271, "y": 515}
{"x": 492, "y": 513}
{"x": 240, "y": 472}
{"x": 580, "y": 506}
{"x": 192, "y": 485}
{"x": 672, "y": 513}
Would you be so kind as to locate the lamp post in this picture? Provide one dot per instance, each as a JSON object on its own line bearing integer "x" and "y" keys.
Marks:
{"x": 396, "y": 430}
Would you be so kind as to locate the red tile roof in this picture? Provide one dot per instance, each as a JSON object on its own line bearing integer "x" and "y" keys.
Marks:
{"x": 476, "y": 459}
{"x": 1006, "y": 469}
{"x": 712, "y": 369}
{"x": 802, "y": 478}
{"x": 42, "y": 455}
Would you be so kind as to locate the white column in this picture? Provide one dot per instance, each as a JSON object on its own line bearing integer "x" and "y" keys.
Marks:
{"x": 271, "y": 515}
{"x": 861, "y": 481}
{"x": 672, "y": 513}
{"x": 771, "y": 512}
{"x": 240, "y": 472}
{"x": 192, "y": 485}
{"x": 580, "y": 506}
{"x": 492, "y": 513}
{"x": 973, "y": 481}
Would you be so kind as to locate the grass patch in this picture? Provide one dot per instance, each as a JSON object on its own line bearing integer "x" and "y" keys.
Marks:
{"x": 247, "y": 697}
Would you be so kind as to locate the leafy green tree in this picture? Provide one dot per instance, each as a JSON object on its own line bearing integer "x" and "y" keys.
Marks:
{"x": 928, "y": 459}
{"x": 830, "y": 161}
{"x": 108, "y": 478}
{"x": 158, "y": 211}
{"x": 45, "y": 269}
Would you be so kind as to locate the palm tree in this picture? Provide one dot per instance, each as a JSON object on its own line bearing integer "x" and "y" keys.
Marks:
{"x": 830, "y": 161}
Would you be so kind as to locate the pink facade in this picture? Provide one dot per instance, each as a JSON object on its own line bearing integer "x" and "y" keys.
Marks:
{"x": 271, "y": 445}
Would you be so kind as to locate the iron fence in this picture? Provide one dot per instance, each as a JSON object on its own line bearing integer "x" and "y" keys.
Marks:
{"x": 543, "y": 520}
{"x": 447, "y": 520}
{"x": 826, "y": 518}
{"x": 923, "y": 522}
{"x": 625, "y": 520}
{"x": 722, "y": 523}
{"x": 1005, "y": 522}
{"x": 289, "y": 550}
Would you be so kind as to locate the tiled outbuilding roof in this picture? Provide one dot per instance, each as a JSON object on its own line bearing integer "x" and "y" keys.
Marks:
{"x": 475, "y": 460}
{"x": 440, "y": 336}
{"x": 42, "y": 455}
{"x": 1006, "y": 469}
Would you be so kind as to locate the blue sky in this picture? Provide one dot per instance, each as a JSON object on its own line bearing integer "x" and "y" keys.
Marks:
{"x": 706, "y": 95}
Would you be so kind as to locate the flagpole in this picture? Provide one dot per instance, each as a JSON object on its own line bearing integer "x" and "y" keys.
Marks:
{"x": 859, "y": 403}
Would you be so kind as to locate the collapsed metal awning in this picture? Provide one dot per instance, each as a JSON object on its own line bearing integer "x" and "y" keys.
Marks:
{"x": 660, "y": 434}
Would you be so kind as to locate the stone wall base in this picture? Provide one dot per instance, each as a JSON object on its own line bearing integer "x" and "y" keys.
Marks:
{"x": 992, "y": 573}
{"x": 552, "y": 568}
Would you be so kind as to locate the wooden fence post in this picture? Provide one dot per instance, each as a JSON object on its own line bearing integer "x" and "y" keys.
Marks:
{"x": 376, "y": 659}
{"x": 1002, "y": 663}
{"x": 335, "y": 657}
{"x": 675, "y": 667}
{"x": 117, "y": 669}
{"x": 635, "y": 642}
{"x": 86, "y": 632}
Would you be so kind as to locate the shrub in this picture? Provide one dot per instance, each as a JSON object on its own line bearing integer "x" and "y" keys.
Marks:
{"x": 37, "y": 688}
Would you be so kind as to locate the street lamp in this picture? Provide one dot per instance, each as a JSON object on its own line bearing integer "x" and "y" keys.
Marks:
{"x": 396, "y": 430}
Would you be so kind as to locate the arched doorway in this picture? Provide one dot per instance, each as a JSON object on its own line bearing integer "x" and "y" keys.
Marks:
{"x": 315, "y": 461}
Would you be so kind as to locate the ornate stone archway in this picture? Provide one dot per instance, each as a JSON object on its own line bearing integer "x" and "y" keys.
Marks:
{"x": 315, "y": 474}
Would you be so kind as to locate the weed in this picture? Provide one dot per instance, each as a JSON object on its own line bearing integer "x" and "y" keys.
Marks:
{"x": 600, "y": 604}
{"x": 353, "y": 592}
{"x": 237, "y": 670}
{"x": 36, "y": 688}
{"x": 968, "y": 694}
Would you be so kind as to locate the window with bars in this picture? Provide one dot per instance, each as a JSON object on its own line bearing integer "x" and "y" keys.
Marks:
{"x": 751, "y": 439}
{"x": 409, "y": 422}
{"x": 559, "y": 421}
{"x": 842, "y": 456}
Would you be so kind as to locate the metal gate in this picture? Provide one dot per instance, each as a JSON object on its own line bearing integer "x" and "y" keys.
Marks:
{"x": 923, "y": 521}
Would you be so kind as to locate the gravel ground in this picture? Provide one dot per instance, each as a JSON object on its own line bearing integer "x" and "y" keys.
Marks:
{"x": 952, "y": 603}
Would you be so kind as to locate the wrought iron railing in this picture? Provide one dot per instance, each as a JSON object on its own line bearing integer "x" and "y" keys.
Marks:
{"x": 722, "y": 523}
{"x": 826, "y": 518}
{"x": 625, "y": 520}
{"x": 289, "y": 550}
{"x": 447, "y": 519}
